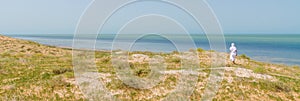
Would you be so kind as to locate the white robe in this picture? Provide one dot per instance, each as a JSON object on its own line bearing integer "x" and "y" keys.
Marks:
{"x": 233, "y": 53}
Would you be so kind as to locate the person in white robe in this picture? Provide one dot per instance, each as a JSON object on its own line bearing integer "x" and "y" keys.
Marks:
{"x": 233, "y": 53}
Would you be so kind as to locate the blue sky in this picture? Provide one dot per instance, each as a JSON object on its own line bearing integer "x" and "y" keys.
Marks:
{"x": 235, "y": 16}
{"x": 258, "y": 16}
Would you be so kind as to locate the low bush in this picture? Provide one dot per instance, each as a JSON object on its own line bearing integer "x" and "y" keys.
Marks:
{"x": 245, "y": 56}
{"x": 200, "y": 50}
{"x": 62, "y": 70}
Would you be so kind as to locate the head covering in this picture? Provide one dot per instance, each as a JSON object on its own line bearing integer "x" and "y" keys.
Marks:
{"x": 232, "y": 44}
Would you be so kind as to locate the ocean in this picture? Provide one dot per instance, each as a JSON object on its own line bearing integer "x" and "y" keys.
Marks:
{"x": 273, "y": 48}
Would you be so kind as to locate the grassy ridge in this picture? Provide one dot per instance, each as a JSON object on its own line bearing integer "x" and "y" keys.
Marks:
{"x": 30, "y": 71}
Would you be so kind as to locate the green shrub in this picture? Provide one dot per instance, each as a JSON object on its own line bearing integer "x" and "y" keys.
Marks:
{"x": 175, "y": 52}
{"x": 175, "y": 60}
{"x": 62, "y": 70}
{"x": 259, "y": 70}
{"x": 142, "y": 72}
{"x": 46, "y": 76}
{"x": 105, "y": 59}
{"x": 200, "y": 50}
{"x": 245, "y": 56}
{"x": 274, "y": 86}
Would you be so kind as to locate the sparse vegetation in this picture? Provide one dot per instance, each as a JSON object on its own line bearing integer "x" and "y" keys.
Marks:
{"x": 30, "y": 71}
{"x": 200, "y": 50}
{"x": 259, "y": 70}
{"x": 244, "y": 56}
{"x": 58, "y": 71}
{"x": 175, "y": 60}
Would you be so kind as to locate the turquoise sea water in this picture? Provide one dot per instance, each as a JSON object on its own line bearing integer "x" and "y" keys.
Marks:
{"x": 275, "y": 48}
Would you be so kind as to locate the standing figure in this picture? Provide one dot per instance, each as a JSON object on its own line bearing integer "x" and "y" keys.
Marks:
{"x": 233, "y": 53}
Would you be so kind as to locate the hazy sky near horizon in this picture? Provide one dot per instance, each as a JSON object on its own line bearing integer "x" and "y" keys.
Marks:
{"x": 235, "y": 16}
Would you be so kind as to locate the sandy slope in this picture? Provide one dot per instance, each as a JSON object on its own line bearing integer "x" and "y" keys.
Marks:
{"x": 30, "y": 71}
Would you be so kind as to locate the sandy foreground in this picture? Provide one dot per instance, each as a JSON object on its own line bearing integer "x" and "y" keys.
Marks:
{"x": 31, "y": 71}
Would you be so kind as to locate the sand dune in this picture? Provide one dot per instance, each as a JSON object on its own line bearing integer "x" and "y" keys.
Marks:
{"x": 31, "y": 71}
